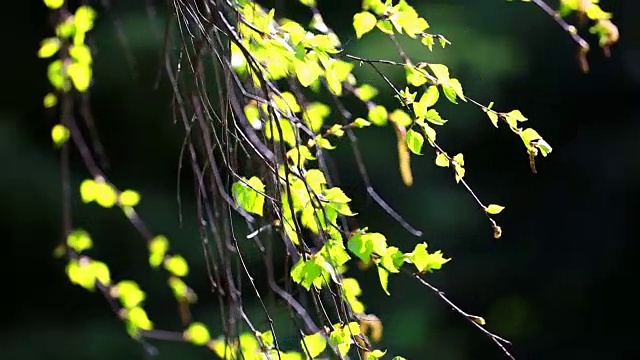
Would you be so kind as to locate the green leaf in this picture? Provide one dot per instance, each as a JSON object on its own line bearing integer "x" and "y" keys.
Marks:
{"x": 376, "y": 354}
{"x": 176, "y": 265}
{"x": 314, "y": 344}
{"x": 433, "y": 117}
{"x": 54, "y": 4}
{"x": 493, "y": 117}
{"x": 544, "y": 147}
{"x": 366, "y": 92}
{"x": 513, "y": 117}
{"x": 383, "y": 275}
{"x": 430, "y": 97}
{"x": 336, "y": 195}
{"x": 477, "y": 319}
{"x": 364, "y": 244}
{"x": 84, "y": 18}
{"x": 129, "y": 293}
{"x": 442, "y": 160}
{"x": 494, "y": 209}
{"x": 80, "y": 74}
{"x": 363, "y": 23}
{"x": 385, "y": 26}
{"x": 378, "y": 115}
{"x": 449, "y": 93}
{"x": 529, "y": 137}
{"x": 401, "y": 118}
{"x": 139, "y": 319}
{"x": 307, "y": 71}
{"x": 79, "y": 241}
{"x": 457, "y": 87}
{"x": 158, "y": 247}
{"x": 129, "y": 198}
{"x": 415, "y": 77}
{"x": 429, "y": 131}
{"x": 247, "y": 194}
{"x": 361, "y": 123}
{"x": 48, "y": 47}
{"x": 50, "y": 100}
{"x": 306, "y": 272}
{"x": 197, "y": 334}
{"x": 393, "y": 259}
{"x": 60, "y": 134}
{"x": 427, "y": 41}
{"x": 424, "y": 261}
{"x": 315, "y": 179}
{"x": 271, "y": 131}
{"x": 415, "y": 140}
{"x": 309, "y": 3}
{"x": 314, "y": 115}
{"x": 441, "y": 72}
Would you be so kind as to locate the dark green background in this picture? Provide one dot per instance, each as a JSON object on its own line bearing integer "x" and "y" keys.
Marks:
{"x": 560, "y": 283}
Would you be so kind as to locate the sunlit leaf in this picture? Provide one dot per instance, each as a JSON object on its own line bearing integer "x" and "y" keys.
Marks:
{"x": 197, "y": 333}
{"x": 363, "y": 23}
{"x": 249, "y": 194}
{"x": 415, "y": 140}
{"x": 314, "y": 344}
{"x": 493, "y": 209}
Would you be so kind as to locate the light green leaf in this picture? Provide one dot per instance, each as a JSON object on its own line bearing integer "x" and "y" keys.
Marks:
{"x": 433, "y": 117}
{"x": 314, "y": 115}
{"x": 401, "y": 118}
{"x": 60, "y": 134}
{"x": 449, "y": 93}
{"x": 424, "y": 261}
{"x": 48, "y": 47}
{"x": 247, "y": 194}
{"x": 442, "y": 160}
{"x": 441, "y": 72}
{"x": 314, "y": 344}
{"x": 176, "y": 265}
{"x": 54, "y": 4}
{"x": 363, "y": 23}
{"x": 493, "y": 209}
{"x": 415, "y": 77}
{"x": 197, "y": 334}
{"x": 307, "y": 71}
{"x": 384, "y": 279}
{"x": 493, "y": 117}
{"x": 378, "y": 115}
{"x": 529, "y": 136}
{"x": 366, "y": 92}
{"x": 271, "y": 131}
{"x": 415, "y": 140}
{"x": 79, "y": 241}
{"x": 376, "y": 354}
{"x": 361, "y": 123}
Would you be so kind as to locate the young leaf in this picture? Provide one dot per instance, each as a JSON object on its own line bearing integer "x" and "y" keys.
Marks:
{"x": 363, "y": 23}
{"x": 246, "y": 194}
{"x": 442, "y": 160}
{"x": 494, "y": 209}
{"x": 415, "y": 140}
{"x": 433, "y": 117}
{"x": 441, "y": 72}
{"x": 493, "y": 117}
{"x": 457, "y": 88}
{"x": 378, "y": 115}
{"x": 384, "y": 279}
{"x": 197, "y": 334}
{"x": 314, "y": 344}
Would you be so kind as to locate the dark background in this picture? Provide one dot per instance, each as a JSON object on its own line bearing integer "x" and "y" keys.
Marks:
{"x": 561, "y": 283}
